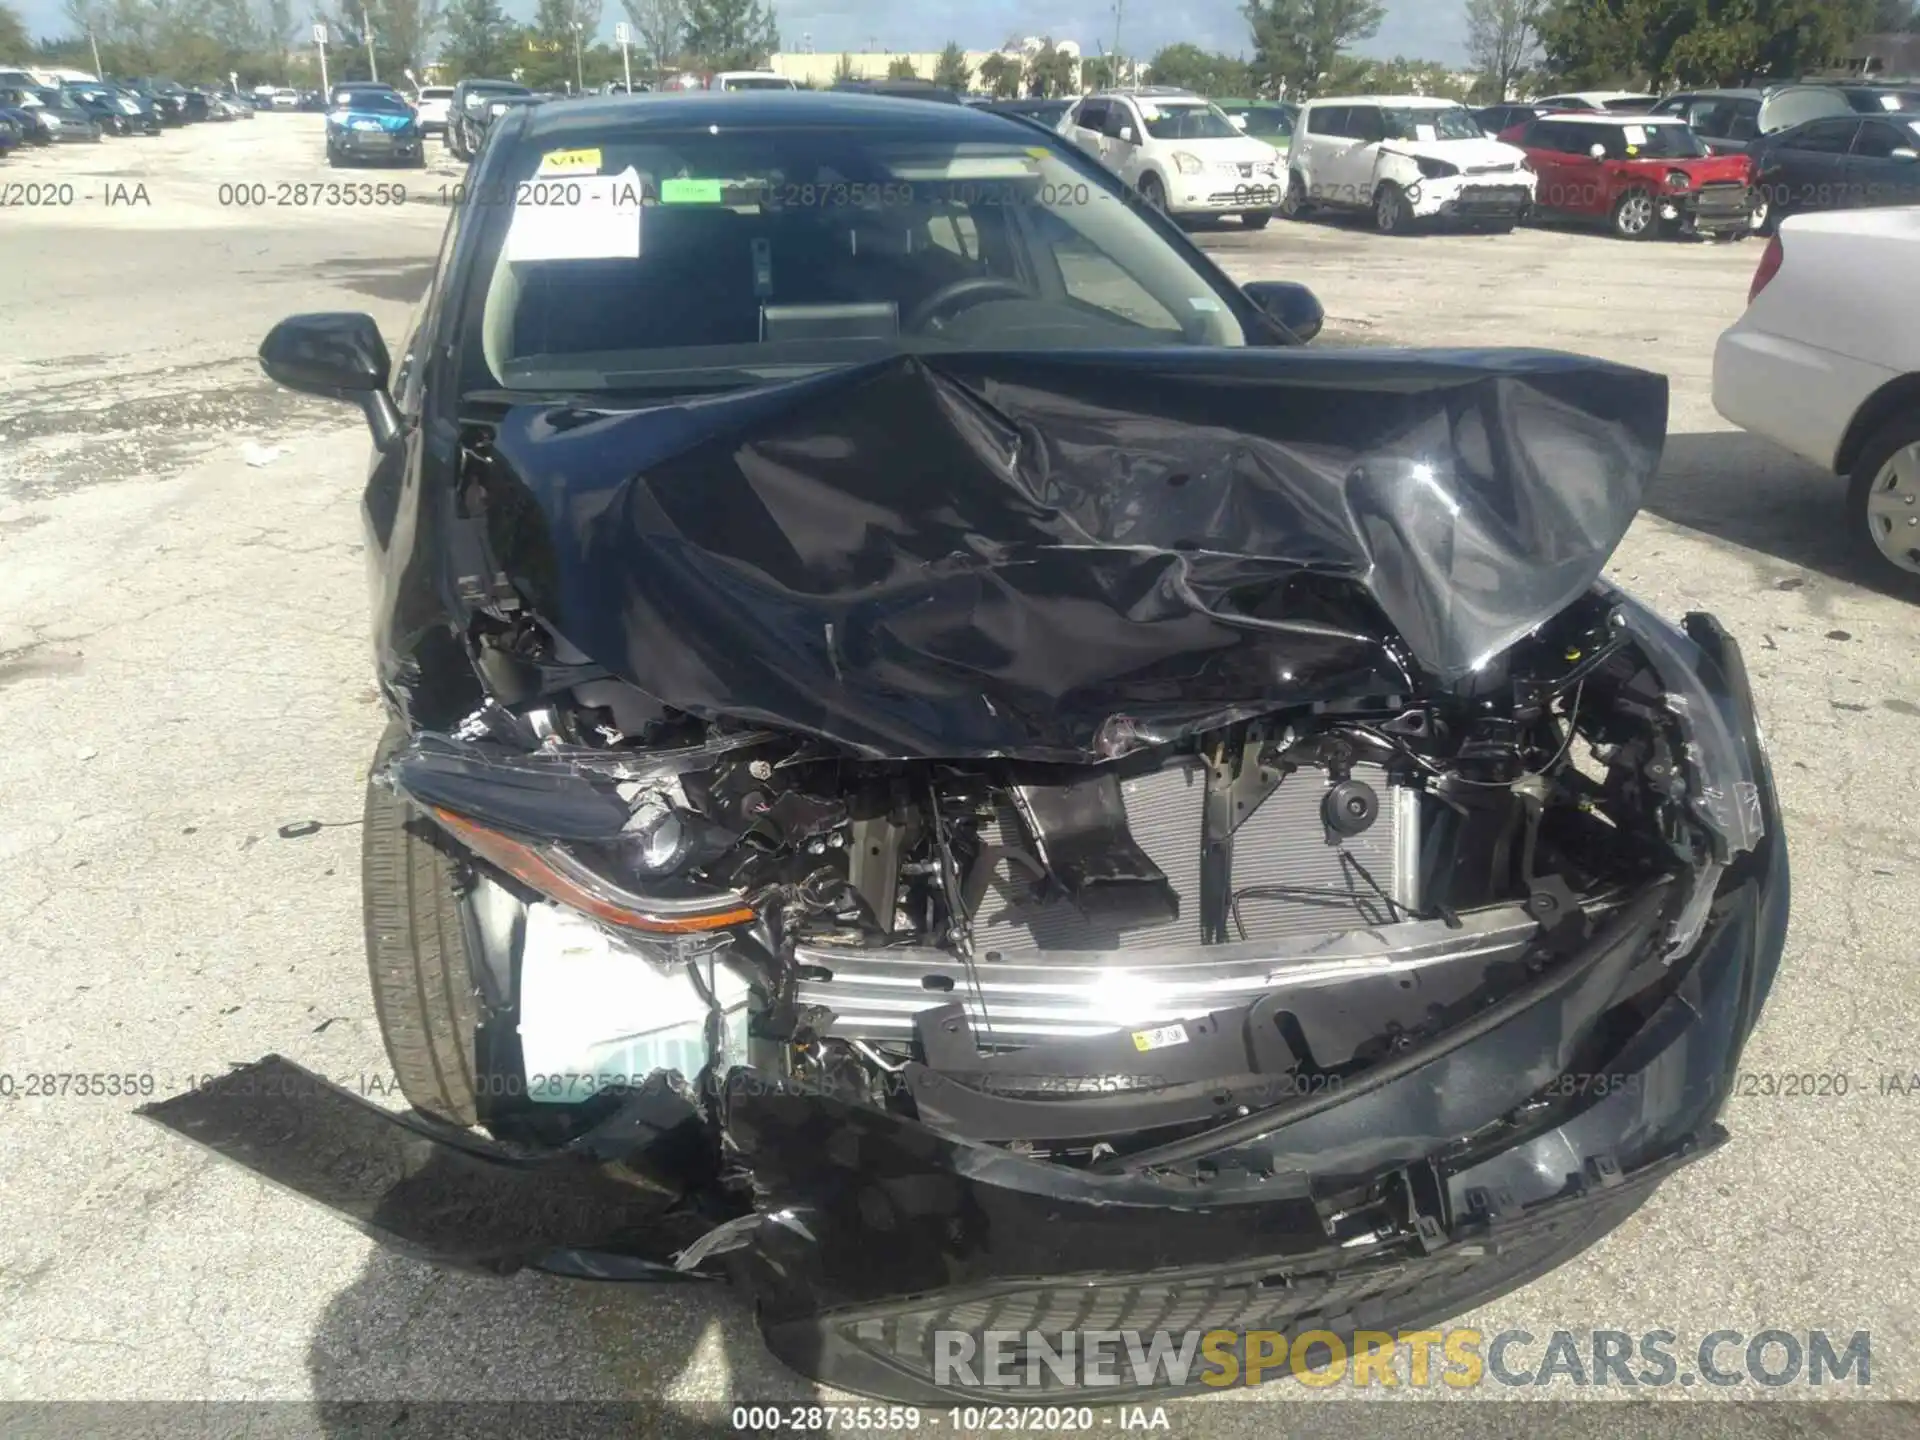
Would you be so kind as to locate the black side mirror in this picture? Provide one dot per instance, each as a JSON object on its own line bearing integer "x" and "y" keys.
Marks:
{"x": 337, "y": 356}
{"x": 1294, "y": 306}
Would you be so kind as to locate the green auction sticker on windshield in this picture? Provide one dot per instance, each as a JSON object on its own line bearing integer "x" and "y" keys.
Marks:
{"x": 682, "y": 191}
{"x": 596, "y": 217}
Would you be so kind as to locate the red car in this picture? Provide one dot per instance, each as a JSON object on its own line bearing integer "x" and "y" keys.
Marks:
{"x": 1644, "y": 175}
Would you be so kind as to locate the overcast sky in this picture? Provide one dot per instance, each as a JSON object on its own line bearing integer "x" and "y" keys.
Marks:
{"x": 1422, "y": 29}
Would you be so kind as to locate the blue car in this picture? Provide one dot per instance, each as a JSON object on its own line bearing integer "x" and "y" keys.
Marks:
{"x": 371, "y": 124}
{"x": 114, "y": 110}
{"x": 13, "y": 132}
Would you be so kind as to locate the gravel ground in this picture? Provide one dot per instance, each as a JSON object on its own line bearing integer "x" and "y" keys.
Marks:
{"x": 184, "y": 671}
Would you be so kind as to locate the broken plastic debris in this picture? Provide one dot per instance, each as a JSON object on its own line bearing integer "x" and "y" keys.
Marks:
{"x": 260, "y": 454}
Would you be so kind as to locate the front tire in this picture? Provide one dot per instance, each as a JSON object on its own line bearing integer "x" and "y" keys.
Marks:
{"x": 1392, "y": 215}
{"x": 1883, "y": 505}
{"x": 417, "y": 958}
{"x": 1635, "y": 217}
{"x": 1295, "y": 205}
{"x": 1256, "y": 219}
{"x": 1153, "y": 192}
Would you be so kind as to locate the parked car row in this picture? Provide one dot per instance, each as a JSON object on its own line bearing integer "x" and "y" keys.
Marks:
{"x": 88, "y": 110}
{"x": 1812, "y": 146}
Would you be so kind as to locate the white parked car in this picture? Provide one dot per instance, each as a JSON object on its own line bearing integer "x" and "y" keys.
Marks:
{"x": 430, "y": 110}
{"x": 751, "y": 80}
{"x": 1405, "y": 158}
{"x": 1826, "y": 361}
{"x": 1180, "y": 151}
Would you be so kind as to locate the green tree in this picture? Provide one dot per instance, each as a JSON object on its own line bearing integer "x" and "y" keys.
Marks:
{"x": 731, "y": 34}
{"x": 1000, "y": 73}
{"x": 1052, "y": 72}
{"x": 1503, "y": 37}
{"x": 1096, "y": 73}
{"x": 1192, "y": 68}
{"x": 843, "y": 68}
{"x": 1656, "y": 43}
{"x": 660, "y": 27}
{"x": 13, "y": 31}
{"x": 900, "y": 67}
{"x": 1894, "y": 17}
{"x": 478, "y": 40}
{"x": 952, "y": 71}
{"x": 1296, "y": 42}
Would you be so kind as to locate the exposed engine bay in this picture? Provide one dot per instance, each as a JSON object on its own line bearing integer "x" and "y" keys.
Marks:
{"x": 1283, "y": 902}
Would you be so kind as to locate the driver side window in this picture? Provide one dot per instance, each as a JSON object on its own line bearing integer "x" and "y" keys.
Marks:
{"x": 1094, "y": 278}
{"x": 1119, "y": 118}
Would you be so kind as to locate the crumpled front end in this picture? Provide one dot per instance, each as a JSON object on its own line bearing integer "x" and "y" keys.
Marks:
{"x": 1060, "y": 844}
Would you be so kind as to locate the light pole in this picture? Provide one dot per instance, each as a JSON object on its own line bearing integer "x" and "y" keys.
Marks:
{"x": 98, "y": 73}
{"x": 373, "y": 68}
{"x": 579, "y": 65}
{"x": 320, "y": 44}
{"x": 1118, "y": 7}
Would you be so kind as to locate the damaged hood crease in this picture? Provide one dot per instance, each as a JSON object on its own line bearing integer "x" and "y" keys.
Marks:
{"x": 1057, "y": 557}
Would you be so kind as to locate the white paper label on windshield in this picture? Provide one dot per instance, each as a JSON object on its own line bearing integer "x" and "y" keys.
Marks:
{"x": 1149, "y": 112}
{"x": 1889, "y": 102}
{"x": 596, "y": 217}
{"x": 1636, "y": 134}
{"x": 1426, "y": 133}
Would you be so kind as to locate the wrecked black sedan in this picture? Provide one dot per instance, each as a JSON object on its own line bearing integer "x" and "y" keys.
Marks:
{"x": 945, "y": 769}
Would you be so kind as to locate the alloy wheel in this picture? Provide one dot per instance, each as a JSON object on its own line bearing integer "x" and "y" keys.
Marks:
{"x": 1634, "y": 216}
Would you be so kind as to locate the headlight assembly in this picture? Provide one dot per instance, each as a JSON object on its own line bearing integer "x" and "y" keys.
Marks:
{"x": 1679, "y": 180}
{"x": 1435, "y": 169}
{"x": 565, "y": 873}
{"x": 1187, "y": 164}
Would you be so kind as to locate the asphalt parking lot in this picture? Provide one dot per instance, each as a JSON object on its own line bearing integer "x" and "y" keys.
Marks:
{"x": 184, "y": 671}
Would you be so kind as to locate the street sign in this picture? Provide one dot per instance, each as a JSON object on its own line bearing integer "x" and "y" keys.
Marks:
{"x": 622, "y": 33}
{"x": 319, "y": 34}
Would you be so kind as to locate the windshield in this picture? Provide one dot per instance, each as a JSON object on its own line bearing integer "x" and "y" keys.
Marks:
{"x": 1267, "y": 120}
{"x": 1188, "y": 120}
{"x": 377, "y": 102}
{"x": 684, "y": 261}
{"x": 759, "y": 82}
{"x": 1651, "y": 142}
{"x": 1428, "y": 123}
{"x": 478, "y": 94}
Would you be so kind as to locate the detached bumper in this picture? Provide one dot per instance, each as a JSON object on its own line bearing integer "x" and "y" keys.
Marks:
{"x": 1716, "y": 209}
{"x": 1497, "y": 197}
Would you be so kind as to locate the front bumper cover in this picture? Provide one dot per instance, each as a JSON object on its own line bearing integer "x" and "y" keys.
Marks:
{"x": 1436, "y": 1182}
{"x": 1500, "y": 195}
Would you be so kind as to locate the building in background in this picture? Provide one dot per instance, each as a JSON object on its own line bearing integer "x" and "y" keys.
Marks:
{"x": 821, "y": 68}
{"x": 1883, "y": 57}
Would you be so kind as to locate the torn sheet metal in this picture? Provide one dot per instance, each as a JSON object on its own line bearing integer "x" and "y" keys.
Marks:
{"x": 1051, "y": 556}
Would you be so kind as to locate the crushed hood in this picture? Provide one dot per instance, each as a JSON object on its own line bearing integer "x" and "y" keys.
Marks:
{"x": 1467, "y": 154}
{"x": 1058, "y": 556}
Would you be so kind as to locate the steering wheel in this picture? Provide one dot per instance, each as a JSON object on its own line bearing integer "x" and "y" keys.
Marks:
{"x": 970, "y": 291}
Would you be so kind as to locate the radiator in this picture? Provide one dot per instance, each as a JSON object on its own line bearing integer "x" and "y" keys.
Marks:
{"x": 1283, "y": 843}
